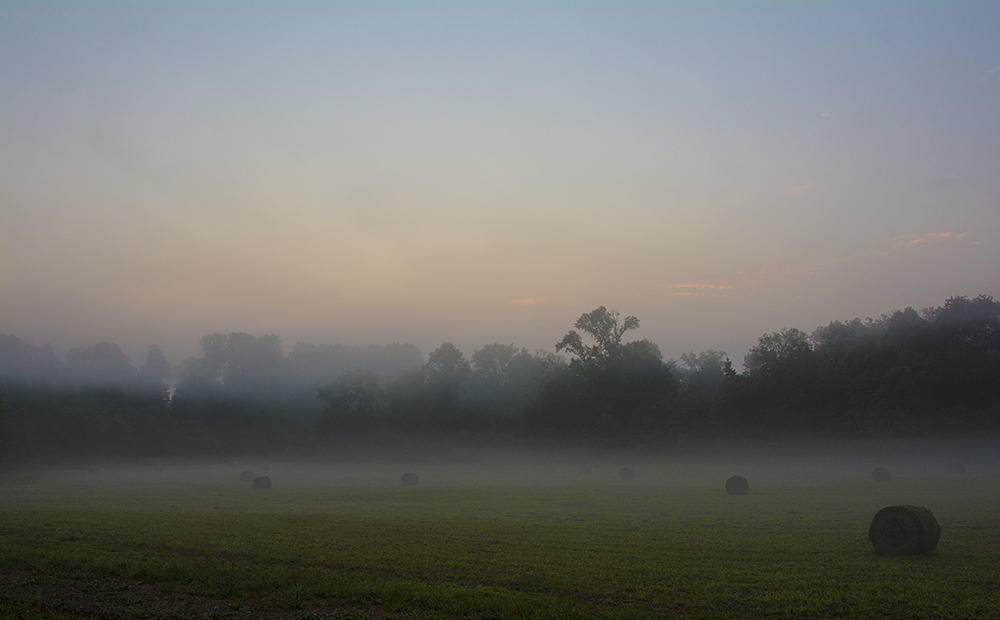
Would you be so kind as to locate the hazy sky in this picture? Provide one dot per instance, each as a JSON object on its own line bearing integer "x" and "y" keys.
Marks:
{"x": 478, "y": 172}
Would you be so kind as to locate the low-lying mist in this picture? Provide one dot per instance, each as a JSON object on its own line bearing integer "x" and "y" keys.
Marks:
{"x": 437, "y": 466}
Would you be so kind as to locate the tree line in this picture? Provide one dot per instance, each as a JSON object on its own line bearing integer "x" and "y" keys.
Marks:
{"x": 905, "y": 373}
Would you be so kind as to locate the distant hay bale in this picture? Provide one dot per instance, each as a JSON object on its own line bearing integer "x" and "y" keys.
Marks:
{"x": 626, "y": 473}
{"x": 409, "y": 480}
{"x": 904, "y": 530}
{"x": 737, "y": 485}
{"x": 262, "y": 482}
{"x": 956, "y": 468}
{"x": 881, "y": 474}
{"x": 584, "y": 470}
{"x": 247, "y": 476}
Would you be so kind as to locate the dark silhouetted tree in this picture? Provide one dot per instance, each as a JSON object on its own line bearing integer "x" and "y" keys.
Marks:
{"x": 784, "y": 388}
{"x": 607, "y": 331}
{"x": 620, "y": 378}
{"x": 773, "y": 351}
{"x": 355, "y": 399}
{"x": 447, "y": 364}
{"x": 201, "y": 377}
{"x": 103, "y": 365}
{"x": 639, "y": 375}
{"x": 252, "y": 366}
{"x": 234, "y": 366}
{"x": 23, "y": 364}
{"x": 447, "y": 370}
{"x": 706, "y": 371}
{"x": 154, "y": 372}
{"x": 504, "y": 379}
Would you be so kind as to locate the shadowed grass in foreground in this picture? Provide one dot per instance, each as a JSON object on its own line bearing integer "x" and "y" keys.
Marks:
{"x": 599, "y": 550}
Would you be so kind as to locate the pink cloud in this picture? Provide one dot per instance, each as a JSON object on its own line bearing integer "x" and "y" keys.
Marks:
{"x": 528, "y": 301}
{"x": 904, "y": 241}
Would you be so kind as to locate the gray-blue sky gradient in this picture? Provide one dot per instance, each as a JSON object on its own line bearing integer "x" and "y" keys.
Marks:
{"x": 486, "y": 172}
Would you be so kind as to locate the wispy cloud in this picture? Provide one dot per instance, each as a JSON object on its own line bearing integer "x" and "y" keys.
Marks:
{"x": 990, "y": 73}
{"x": 933, "y": 236}
{"x": 909, "y": 241}
{"x": 764, "y": 276}
{"x": 528, "y": 301}
{"x": 902, "y": 242}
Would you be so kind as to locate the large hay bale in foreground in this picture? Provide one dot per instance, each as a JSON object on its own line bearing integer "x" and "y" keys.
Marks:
{"x": 584, "y": 470}
{"x": 409, "y": 480}
{"x": 904, "y": 530}
{"x": 881, "y": 474}
{"x": 247, "y": 476}
{"x": 737, "y": 485}
{"x": 626, "y": 473}
{"x": 262, "y": 482}
{"x": 956, "y": 468}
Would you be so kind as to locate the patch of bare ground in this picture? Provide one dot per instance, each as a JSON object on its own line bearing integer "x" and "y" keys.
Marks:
{"x": 116, "y": 598}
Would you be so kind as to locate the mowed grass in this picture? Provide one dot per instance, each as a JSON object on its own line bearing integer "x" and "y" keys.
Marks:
{"x": 552, "y": 545}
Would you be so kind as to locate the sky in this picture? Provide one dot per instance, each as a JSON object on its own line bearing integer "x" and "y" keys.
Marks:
{"x": 479, "y": 172}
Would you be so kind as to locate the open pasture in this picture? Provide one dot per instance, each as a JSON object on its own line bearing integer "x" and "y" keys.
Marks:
{"x": 496, "y": 541}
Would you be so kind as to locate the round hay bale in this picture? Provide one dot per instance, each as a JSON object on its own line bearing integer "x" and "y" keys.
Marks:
{"x": 247, "y": 476}
{"x": 409, "y": 480}
{"x": 881, "y": 474}
{"x": 262, "y": 482}
{"x": 737, "y": 485}
{"x": 584, "y": 470}
{"x": 956, "y": 468}
{"x": 904, "y": 530}
{"x": 626, "y": 473}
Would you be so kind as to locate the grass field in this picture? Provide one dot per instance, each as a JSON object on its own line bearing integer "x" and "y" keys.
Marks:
{"x": 478, "y": 541}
